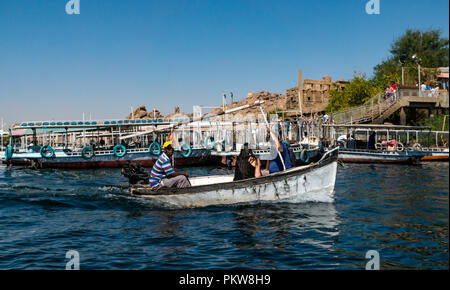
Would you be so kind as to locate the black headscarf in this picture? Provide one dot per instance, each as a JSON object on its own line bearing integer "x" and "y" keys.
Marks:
{"x": 244, "y": 169}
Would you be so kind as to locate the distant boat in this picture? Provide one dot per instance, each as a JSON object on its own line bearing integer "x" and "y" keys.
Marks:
{"x": 436, "y": 155}
{"x": 389, "y": 148}
{"x": 313, "y": 182}
{"x": 376, "y": 156}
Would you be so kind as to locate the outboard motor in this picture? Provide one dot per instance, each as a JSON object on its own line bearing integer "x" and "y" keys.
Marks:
{"x": 135, "y": 173}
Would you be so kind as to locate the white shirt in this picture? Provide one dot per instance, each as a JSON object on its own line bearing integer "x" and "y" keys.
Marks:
{"x": 342, "y": 138}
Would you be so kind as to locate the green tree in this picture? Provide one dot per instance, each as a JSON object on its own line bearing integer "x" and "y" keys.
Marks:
{"x": 429, "y": 46}
{"x": 355, "y": 93}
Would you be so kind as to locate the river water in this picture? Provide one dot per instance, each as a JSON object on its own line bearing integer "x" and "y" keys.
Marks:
{"x": 400, "y": 211}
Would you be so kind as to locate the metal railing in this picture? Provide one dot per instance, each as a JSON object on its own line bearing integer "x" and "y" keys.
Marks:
{"x": 377, "y": 105}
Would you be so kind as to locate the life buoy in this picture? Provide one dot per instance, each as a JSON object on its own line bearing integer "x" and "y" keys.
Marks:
{"x": 399, "y": 147}
{"x": 186, "y": 150}
{"x": 87, "y": 152}
{"x": 155, "y": 149}
{"x": 417, "y": 146}
{"x": 304, "y": 156}
{"x": 47, "y": 151}
{"x": 209, "y": 142}
{"x": 120, "y": 147}
{"x": 378, "y": 146}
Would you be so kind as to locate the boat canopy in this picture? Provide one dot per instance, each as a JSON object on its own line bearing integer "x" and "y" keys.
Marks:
{"x": 87, "y": 124}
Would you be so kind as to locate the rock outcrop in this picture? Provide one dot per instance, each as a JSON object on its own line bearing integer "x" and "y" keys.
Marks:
{"x": 272, "y": 102}
{"x": 177, "y": 115}
{"x": 141, "y": 113}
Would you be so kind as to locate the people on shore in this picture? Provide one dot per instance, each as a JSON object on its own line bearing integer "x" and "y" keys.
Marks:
{"x": 423, "y": 88}
{"x": 163, "y": 175}
{"x": 247, "y": 165}
{"x": 386, "y": 93}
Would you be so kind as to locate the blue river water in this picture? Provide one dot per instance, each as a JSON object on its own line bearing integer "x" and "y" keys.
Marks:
{"x": 400, "y": 211}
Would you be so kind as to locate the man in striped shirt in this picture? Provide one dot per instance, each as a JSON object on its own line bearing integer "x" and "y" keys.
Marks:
{"x": 163, "y": 174}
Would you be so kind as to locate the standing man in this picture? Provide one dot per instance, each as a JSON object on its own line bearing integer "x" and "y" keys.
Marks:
{"x": 163, "y": 175}
{"x": 371, "y": 143}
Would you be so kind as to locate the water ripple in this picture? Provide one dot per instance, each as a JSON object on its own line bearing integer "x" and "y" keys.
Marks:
{"x": 400, "y": 211}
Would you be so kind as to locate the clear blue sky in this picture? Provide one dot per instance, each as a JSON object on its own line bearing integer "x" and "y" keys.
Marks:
{"x": 121, "y": 53}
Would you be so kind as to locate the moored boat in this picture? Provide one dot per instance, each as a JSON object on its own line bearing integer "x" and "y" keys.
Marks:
{"x": 313, "y": 182}
{"x": 362, "y": 143}
{"x": 94, "y": 144}
{"x": 436, "y": 155}
{"x": 378, "y": 156}
{"x": 107, "y": 159}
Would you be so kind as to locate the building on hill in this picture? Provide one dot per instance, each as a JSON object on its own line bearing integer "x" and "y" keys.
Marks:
{"x": 313, "y": 93}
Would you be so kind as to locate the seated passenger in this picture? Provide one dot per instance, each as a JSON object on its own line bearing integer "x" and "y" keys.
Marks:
{"x": 276, "y": 165}
{"x": 163, "y": 174}
{"x": 342, "y": 140}
{"x": 351, "y": 142}
{"x": 247, "y": 165}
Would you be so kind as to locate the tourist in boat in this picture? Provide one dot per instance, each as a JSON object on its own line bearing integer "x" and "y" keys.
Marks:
{"x": 351, "y": 142}
{"x": 163, "y": 175}
{"x": 276, "y": 165}
{"x": 342, "y": 140}
{"x": 247, "y": 165}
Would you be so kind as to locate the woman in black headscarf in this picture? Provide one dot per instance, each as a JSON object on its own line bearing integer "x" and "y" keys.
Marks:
{"x": 247, "y": 165}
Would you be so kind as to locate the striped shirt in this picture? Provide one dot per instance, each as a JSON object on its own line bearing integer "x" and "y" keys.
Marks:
{"x": 161, "y": 169}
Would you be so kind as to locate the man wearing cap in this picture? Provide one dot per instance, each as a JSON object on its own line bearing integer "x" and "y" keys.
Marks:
{"x": 163, "y": 174}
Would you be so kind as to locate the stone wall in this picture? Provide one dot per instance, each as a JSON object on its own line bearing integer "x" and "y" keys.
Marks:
{"x": 315, "y": 95}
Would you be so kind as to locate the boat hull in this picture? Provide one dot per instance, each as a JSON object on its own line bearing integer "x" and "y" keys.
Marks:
{"x": 300, "y": 184}
{"x": 387, "y": 157}
{"x": 198, "y": 157}
{"x": 441, "y": 155}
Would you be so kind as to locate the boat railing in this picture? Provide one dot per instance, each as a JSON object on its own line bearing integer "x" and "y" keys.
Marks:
{"x": 327, "y": 153}
{"x": 383, "y": 150}
{"x": 106, "y": 152}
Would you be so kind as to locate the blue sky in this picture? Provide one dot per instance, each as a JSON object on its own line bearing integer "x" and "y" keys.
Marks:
{"x": 116, "y": 54}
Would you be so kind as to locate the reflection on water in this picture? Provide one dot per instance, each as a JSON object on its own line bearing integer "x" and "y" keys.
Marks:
{"x": 400, "y": 211}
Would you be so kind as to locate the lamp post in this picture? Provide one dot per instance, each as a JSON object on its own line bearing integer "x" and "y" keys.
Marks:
{"x": 417, "y": 59}
{"x": 402, "y": 63}
{"x": 224, "y": 102}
